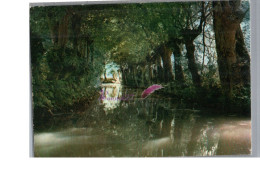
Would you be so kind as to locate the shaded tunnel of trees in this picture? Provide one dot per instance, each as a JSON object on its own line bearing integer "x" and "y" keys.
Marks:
{"x": 200, "y": 52}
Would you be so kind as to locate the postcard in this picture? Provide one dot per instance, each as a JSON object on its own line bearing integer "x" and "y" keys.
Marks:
{"x": 154, "y": 79}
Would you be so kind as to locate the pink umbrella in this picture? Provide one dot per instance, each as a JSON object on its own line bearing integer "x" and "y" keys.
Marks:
{"x": 150, "y": 90}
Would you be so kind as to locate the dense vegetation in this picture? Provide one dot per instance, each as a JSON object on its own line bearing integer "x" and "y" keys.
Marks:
{"x": 198, "y": 50}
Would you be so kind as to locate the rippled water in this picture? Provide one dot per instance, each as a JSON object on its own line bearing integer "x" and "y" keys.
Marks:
{"x": 121, "y": 124}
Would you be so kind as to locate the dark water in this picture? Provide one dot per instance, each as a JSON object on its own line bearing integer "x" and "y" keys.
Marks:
{"x": 127, "y": 126}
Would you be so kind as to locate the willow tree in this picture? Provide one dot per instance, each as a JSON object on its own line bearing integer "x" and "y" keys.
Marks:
{"x": 64, "y": 66}
{"x": 191, "y": 30}
{"x": 162, "y": 19}
{"x": 233, "y": 59}
{"x": 183, "y": 28}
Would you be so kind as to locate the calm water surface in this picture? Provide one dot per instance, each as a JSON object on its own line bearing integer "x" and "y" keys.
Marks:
{"x": 121, "y": 124}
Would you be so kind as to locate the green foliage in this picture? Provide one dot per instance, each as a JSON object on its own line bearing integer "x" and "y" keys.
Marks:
{"x": 71, "y": 45}
{"x": 242, "y": 100}
{"x": 62, "y": 79}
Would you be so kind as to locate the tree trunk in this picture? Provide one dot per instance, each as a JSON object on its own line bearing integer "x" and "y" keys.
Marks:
{"x": 139, "y": 76}
{"x": 189, "y": 36}
{"x": 149, "y": 62}
{"x": 146, "y": 75}
{"x": 59, "y": 30}
{"x": 105, "y": 74}
{"x": 134, "y": 76}
{"x": 124, "y": 74}
{"x": 225, "y": 26}
{"x": 53, "y": 27}
{"x": 150, "y": 68}
{"x": 129, "y": 76}
{"x": 75, "y": 23}
{"x": 63, "y": 31}
{"x": 191, "y": 63}
{"x": 167, "y": 65}
{"x": 159, "y": 69}
{"x": 243, "y": 57}
{"x": 133, "y": 81}
{"x": 179, "y": 75}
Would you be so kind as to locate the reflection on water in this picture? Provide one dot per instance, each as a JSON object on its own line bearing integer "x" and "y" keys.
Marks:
{"x": 110, "y": 95}
{"x": 153, "y": 127}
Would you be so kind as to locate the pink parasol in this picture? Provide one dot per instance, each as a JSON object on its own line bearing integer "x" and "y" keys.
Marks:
{"x": 150, "y": 90}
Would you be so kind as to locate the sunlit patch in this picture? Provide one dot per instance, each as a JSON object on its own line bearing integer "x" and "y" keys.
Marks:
{"x": 235, "y": 138}
{"x": 158, "y": 143}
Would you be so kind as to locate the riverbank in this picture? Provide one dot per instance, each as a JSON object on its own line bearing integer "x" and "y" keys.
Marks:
{"x": 43, "y": 118}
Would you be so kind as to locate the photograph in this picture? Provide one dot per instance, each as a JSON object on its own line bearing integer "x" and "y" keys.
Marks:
{"x": 140, "y": 79}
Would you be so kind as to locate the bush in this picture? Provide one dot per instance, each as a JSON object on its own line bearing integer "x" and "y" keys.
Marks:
{"x": 61, "y": 79}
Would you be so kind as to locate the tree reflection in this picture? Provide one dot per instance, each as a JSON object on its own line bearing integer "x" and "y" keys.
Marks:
{"x": 145, "y": 127}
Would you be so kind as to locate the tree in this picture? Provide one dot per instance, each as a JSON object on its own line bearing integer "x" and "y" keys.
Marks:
{"x": 227, "y": 16}
{"x": 189, "y": 37}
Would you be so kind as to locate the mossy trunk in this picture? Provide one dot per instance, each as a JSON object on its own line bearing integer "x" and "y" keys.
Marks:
{"x": 190, "y": 47}
{"x": 75, "y": 24}
{"x": 243, "y": 57}
{"x": 225, "y": 26}
{"x": 63, "y": 31}
{"x": 167, "y": 65}
{"x": 59, "y": 30}
{"x": 159, "y": 74}
{"x": 124, "y": 75}
{"x": 179, "y": 75}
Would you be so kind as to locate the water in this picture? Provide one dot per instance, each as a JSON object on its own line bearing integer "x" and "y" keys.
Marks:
{"x": 121, "y": 124}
